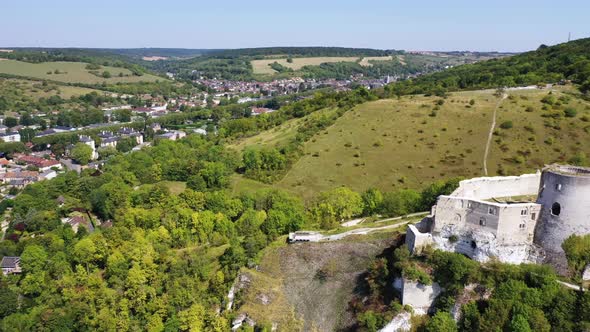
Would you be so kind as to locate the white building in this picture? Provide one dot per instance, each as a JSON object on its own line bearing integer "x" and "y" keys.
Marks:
{"x": 10, "y": 137}
{"x": 90, "y": 142}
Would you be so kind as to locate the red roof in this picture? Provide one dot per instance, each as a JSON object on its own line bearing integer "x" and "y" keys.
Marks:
{"x": 36, "y": 161}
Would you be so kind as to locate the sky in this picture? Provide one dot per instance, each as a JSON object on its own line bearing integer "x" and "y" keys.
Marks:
{"x": 493, "y": 25}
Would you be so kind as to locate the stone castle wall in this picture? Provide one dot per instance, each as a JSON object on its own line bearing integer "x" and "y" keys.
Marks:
{"x": 565, "y": 195}
{"x": 499, "y": 186}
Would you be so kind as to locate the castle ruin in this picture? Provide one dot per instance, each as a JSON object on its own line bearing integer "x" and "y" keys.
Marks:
{"x": 515, "y": 219}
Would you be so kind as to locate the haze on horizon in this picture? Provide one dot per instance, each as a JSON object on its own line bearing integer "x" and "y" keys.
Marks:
{"x": 429, "y": 25}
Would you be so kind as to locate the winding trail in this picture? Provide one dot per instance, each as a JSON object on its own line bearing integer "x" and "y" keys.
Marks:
{"x": 490, "y": 134}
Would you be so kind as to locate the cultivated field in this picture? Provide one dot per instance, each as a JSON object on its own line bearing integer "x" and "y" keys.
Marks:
{"x": 70, "y": 72}
{"x": 366, "y": 61}
{"x": 406, "y": 143}
{"x": 262, "y": 66}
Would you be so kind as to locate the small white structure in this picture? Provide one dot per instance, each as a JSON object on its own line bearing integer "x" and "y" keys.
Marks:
{"x": 304, "y": 236}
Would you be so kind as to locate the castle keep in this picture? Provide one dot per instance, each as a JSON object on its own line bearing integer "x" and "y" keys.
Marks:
{"x": 515, "y": 219}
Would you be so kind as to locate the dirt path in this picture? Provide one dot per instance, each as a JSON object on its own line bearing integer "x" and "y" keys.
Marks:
{"x": 490, "y": 134}
{"x": 361, "y": 231}
{"x": 571, "y": 286}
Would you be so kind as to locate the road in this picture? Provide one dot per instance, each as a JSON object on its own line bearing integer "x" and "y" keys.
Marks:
{"x": 490, "y": 134}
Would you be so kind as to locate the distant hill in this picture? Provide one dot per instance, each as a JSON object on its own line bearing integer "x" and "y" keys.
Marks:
{"x": 567, "y": 61}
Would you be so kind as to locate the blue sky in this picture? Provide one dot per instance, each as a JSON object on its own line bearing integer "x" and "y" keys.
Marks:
{"x": 516, "y": 25}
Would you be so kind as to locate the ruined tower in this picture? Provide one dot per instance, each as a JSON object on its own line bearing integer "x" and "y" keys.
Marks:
{"x": 564, "y": 193}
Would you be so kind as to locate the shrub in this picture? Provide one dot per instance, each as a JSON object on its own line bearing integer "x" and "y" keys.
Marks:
{"x": 506, "y": 125}
{"x": 570, "y": 112}
{"x": 453, "y": 238}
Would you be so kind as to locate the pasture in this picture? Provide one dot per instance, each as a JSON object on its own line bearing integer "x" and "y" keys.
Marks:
{"x": 70, "y": 72}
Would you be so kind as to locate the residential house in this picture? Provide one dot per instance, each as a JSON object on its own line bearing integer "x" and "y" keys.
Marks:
{"x": 10, "y": 137}
{"x": 10, "y": 265}
{"x": 79, "y": 221}
{"x": 47, "y": 175}
{"x": 90, "y": 142}
{"x": 27, "y": 176}
{"x": 41, "y": 163}
{"x": 172, "y": 135}
{"x": 130, "y": 132}
{"x": 108, "y": 139}
{"x": 260, "y": 110}
{"x": 63, "y": 129}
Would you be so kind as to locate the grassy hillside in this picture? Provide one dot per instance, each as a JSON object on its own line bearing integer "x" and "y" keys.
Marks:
{"x": 70, "y": 72}
{"x": 413, "y": 141}
{"x": 35, "y": 89}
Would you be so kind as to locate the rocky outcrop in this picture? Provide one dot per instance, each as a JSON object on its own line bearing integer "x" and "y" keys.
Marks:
{"x": 483, "y": 246}
{"x": 417, "y": 295}
{"x": 400, "y": 323}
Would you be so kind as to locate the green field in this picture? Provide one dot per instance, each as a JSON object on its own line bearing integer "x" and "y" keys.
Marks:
{"x": 263, "y": 66}
{"x": 366, "y": 61}
{"x": 70, "y": 72}
{"x": 392, "y": 144}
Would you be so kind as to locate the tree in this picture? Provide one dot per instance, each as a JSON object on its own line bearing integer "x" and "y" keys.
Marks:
{"x": 10, "y": 122}
{"x": 519, "y": 324}
{"x": 126, "y": 144}
{"x": 441, "y": 322}
{"x": 577, "y": 251}
{"x": 192, "y": 319}
{"x": 33, "y": 259}
{"x": 340, "y": 203}
{"x": 81, "y": 153}
{"x": 372, "y": 199}
{"x": 85, "y": 251}
{"x": 106, "y": 74}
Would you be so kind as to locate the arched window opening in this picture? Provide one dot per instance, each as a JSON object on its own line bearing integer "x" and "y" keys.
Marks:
{"x": 555, "y": 209}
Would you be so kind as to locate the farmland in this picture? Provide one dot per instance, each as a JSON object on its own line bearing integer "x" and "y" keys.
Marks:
{"x": 70, "y": 72}
{"x": 262, "y": 66}
{"x": 366, "y": 61}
